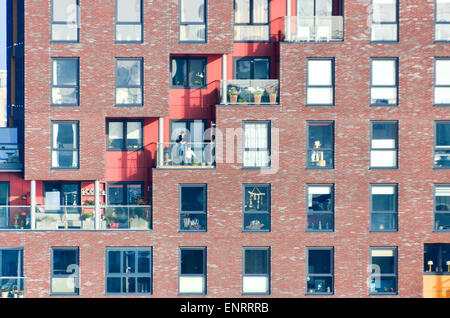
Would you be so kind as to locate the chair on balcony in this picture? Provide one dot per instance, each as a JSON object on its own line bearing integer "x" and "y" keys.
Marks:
{"x": 303, "y": 33}
{"x": 323, "y": 32}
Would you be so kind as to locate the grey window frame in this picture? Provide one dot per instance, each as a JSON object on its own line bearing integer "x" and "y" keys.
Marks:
{"x": 396, "y": 61}
{"x": 447, "y": 148}
{"x": 268, "y": 275}
{"x": 205, "y": 23}
{"x": 435, "y": 78}
{"x": 141, "y": 62}
{"x": 439, "y": 259}
{"x": 395, "y": 212}
{"x": 77, "y": 275}
{"x": 331, "y": 212}
{"x": 395, "y": 274}
{"x": 124, "y": 133}
{"x": 308, "y": 123}
{"x": 269, "y": 144}
{"x": 77, "y": 149}
{"x": 268, "y": 212}
{"x": 372, "y": 122}
{"x": 205, "y": 207}
{"x": 77, "y": 86}
{"x": 128, "y": 275}
{"x": 436, "y": 22}
{"x": 117, "y": 22}
{"x": 396, "y": 23}
{"x": 331, "y": 274}
{"x": 251, "y": 23}
{"x": 52, "y": 22}
{"x": 205, "y": 275}
{"x": 435, "y": 212}
{"x": 186, "y": 75}
{"x": 21, "y": 276}
{"x": 333, "y": 81}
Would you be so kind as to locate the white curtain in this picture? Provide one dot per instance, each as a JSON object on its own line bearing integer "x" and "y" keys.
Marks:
{"x": 256, "y": 141}
{"x": 442, "y": 191}
{"x": 386, "y": 190}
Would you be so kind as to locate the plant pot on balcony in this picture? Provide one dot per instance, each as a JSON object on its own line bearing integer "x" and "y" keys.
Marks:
{"x": 233, "y": 99}
{"x": 273, "y": 98}
{"x": 113, "y": 225}
{"x": 257, "y": 98}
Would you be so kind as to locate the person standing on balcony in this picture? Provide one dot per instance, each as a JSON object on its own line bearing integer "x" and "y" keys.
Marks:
{"x": 189, "y": 156}
{"x": 181, "y": 143}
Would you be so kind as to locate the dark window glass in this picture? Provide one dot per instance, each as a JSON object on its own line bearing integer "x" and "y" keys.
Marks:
{"x": 319, "y": 262}
{"x": 256, "y": 261}
{"x": 192, "y": 261}
{"x": 320, "y": 145}
{"x": 252, "y": 68}
{"x": 383, "y": 264}
{"x": 320, "y": 275}
{"x": 188, "y": 72}
{"x": 192, "y": 208}
{"x": 256, "y": 208}
{"x": 384, "y": 208}
{"x": 320, "y": 208}
{"x": 192, "y": 199}
{"x": 442, "y": 147}
{"x": 65, "y": 271}
{"x": 58, "y": 194}
{"x": 442, "y": 208}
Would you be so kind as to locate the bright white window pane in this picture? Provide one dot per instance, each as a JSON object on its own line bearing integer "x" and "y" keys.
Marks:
{"x": 382, "y": 253}
{"x": 64, "y": 32}
{"x": 388, "y": 190}
{"x": 442, "y": 10}
{"x": 383, "y": 72}
{"x": 260, "y": 11}
{"x": 442, "y": 32}
{"x": 115, "y": 130}
{"x": 128, "y": 10}
{"x": 442, "y": 95}
{"x": 384, "y": 95}
{"x": 192, "y": 11}
{"x": 133, "y": 130}
{"x": 320, "y": 96}
{"x": 442, "y": 72}
{"x": 128, "y": 32}
{"x": 63, "y": 285}
{"x": 256, "y": 285}
{"x": 64, "y": 10}
{"x": 383, "y": 143}
{"x": 254, "y": 158}
{"x": 192, "y": 284}
{"x": 192, "y": 32}
{"x": 384, "y": 10}
{"x": 319, "y": 72}
{"x": 380, "y": 158}
{"x": 128, "y": 96}
{"x": 251, "y": 32}
{"x": 443, "y": 191}
{"x": 242, "y": 11}
{"x": 384, "y": 32}
{"x": 255, "y": 136}
{"x": 318, "y": 189}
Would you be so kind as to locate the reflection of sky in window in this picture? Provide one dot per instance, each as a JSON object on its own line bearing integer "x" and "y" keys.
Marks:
{"x": 2, "y": 34}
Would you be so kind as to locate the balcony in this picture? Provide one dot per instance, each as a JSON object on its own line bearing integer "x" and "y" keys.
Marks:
{"x": 314, "y": 29}
{"x": 10, "y": 150}
{"x": 192, "y": 155}
{"x": 112, "y": 217}
{"x": 14, "y": 217}
{"x": 250, "y": 92}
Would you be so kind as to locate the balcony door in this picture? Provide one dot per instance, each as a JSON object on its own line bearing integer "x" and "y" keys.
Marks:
{"x": 314, "y": 8}
{"x": 4, "y": 201}
{"x": 193, "y": 134}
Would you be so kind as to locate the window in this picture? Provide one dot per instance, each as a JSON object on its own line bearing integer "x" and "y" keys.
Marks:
{"x": 383, "y": 266}
{"x": 252, "y": 68}
{"x": 192, "y": 207}
{"x": 442, "y": 82}
{"x": 128, "y": 21}
{"x": 320, "y": 145}
{"x": 125, "y": 135}
{"x": 383, "y": 152}
{"x": 129, "y": 270}
{"x": 57, "y": 194}
{"x": 192, "y": 20}
{"x": 188, "y": 72}
{"x": 65, "y": 82}
{"x": 65, "y": 271}
{"x": 442, "y": 146}
{"x": 319, "y": 273}
{"x": 192, "y": 279}
{"x": 320, "y": 212}
{"x": 384, "y": 21}
{"x": 437, "y": 259}
{"x": 256, "y": 272}
{"x": 125, "y": 193}
{"x": 442, "y": 207}
{"x": 383, "y": 215}
{"x": 65, "y": 151}
{"x": 442, "y": 16}
{"x": 11, "y": 270}
{"x": 129, "y": 82}
{"x": 383, "y": 82}
{"x": 65, "y": 21}
{"x": 256, "y": 207}
{"x": 251, "y": 20}
{"x": 320, "y": 82}
{"x": 256, "y": 144}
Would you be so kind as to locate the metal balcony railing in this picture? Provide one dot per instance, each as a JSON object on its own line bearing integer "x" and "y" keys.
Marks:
{"x": 251, "y": 92}
{"x": 133, "y": 217}
{"x": 191, "y": 155}
{"x": 15, "y": 217}
{"x": 10, "y": 159}
{"x": 314, "y": 28}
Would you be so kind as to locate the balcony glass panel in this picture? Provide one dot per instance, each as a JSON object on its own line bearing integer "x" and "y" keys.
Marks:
{"x": 314, "y": 29}
{"x": 196, "y": 155}
{"x": 251, "y": 92}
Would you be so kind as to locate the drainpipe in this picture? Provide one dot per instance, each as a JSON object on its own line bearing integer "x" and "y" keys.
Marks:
{"x": 97, "y": 204}
{"x": 33, "y": 204}
{"x": 224, "y": 79}
{"x": 288, "y": 20}
{"x": 160, "y": 154}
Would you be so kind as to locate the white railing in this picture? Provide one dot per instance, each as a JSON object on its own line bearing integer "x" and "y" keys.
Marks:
{"x": 314, "y": 28}
{"x": 250, "y": 92}
{"x": 190, "y": 155}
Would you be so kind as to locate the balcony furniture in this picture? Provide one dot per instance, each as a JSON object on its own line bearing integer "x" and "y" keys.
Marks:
{"x": 88, "y": 225}
{"x": 303, "y": 33}
{"x": 46, "y": 222}
{"x": 323, "y": 32}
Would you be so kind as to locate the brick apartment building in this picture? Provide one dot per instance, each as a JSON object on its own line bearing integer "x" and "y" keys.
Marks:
{"x": 226, "y": 148}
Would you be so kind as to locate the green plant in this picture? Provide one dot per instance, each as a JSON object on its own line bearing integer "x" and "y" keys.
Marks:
{"x": 271, "y": 91}
{"x": 258, "y": 92}
{"x": 233, "y": 91}
{"x": 110, "y": 216}
{"x": 46, "y": 219}
{"x": 87, "y": 216}
{"x": 89, "y": 202}
{"x": 242, "y": 100}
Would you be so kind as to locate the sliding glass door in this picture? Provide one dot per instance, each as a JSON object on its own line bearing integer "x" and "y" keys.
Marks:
{"x": 4, "y": 202}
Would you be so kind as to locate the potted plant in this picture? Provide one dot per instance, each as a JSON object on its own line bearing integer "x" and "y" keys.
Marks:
{"x": 4, "y": 292}
{"x": 233, "y": 92}
{"x": 272, "y": 91}
{"x": 111, "y": 218}
{"x": 87, "y": 216}
{"x": 257, "y": 94}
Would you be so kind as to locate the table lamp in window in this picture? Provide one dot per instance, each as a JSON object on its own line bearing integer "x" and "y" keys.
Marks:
{"x": 430, "y": 263}
{"x": 317, "y": 155}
